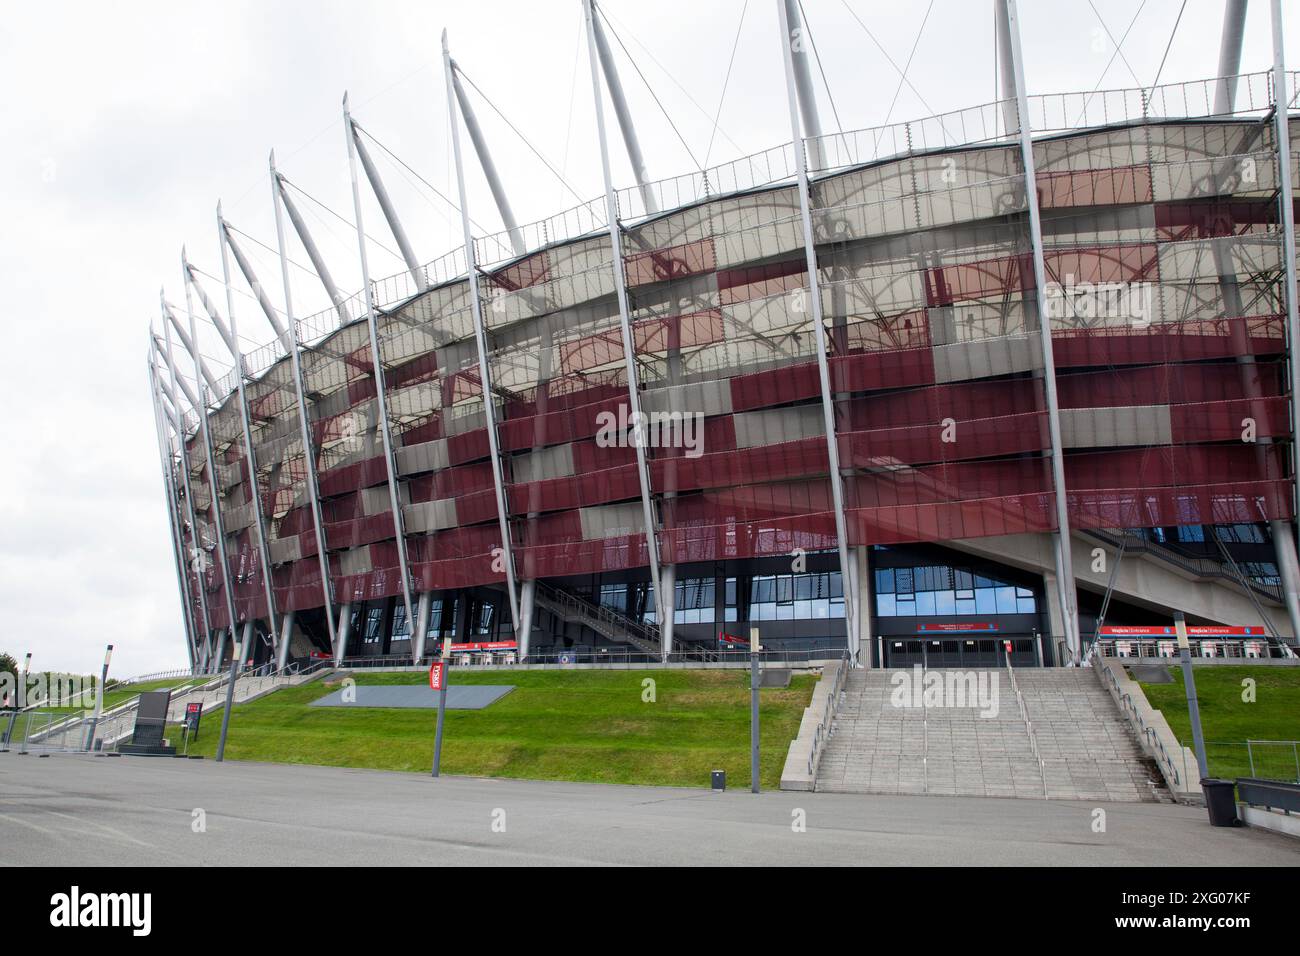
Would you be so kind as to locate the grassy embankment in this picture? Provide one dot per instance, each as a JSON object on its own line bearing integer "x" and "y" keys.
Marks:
{"x": 555, "y": 725}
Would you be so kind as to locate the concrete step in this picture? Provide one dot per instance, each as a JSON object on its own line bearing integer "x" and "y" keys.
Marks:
{"x": 1086, "y": 749}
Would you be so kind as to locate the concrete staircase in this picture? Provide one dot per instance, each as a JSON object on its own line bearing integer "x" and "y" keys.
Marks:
{"x": 604, "y": 621}
{"x": 877, "y": 747}
{"x": 1087, "y": 748}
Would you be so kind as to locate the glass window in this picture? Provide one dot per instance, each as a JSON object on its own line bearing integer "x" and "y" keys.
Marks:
{"x": 785, "y": 589}
{"x": 614, "y": 596}
{"x": 399, "y": 623}
{"x": 884, "y": 581}
{"x": 485, "y": 615}
{"x": 374, "y": 620}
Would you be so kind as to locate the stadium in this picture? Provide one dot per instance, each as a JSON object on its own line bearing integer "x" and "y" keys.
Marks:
{"x": 1016, "y": 373}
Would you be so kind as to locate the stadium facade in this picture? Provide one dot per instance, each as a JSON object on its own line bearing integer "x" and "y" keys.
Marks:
{"x": 930, "y": 409}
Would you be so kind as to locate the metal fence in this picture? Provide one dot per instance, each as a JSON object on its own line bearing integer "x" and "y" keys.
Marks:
{"x": 1167, "y": 648}
{"x": 38, "y": 730}
{"x": 605, "y": 657}
{"x": 1261, "y": 759}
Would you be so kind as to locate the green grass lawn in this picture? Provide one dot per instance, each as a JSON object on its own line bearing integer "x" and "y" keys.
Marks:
{"x": 1228, "y": 722}
{"x": 555, "y": 725}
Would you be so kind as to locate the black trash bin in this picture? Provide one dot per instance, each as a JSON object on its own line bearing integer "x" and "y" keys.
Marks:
{"x": 1220, "y": 801}
{"x": 719, "y": 779}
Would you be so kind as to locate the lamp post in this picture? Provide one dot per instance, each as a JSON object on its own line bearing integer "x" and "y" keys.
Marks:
{"x": 1189, "y": 685}
{"x": 754, "y": 648}
{"x": 99, "y": 700}
{"x": 237, "y": 655}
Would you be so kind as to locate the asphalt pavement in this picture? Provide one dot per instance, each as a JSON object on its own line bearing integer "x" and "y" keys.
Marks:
{"x": 85, "y": 811}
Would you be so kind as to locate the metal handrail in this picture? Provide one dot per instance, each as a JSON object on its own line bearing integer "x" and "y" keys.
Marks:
{"x": 589, "y": 654}
{"x": 1029, "y": 725}
{"x": 1200, "y": 566}
{"x": 636, "y": 631}
{"x": 160, "y": 675}
{"x": 1130, "y": 711}
{"x": 823, "y": 728}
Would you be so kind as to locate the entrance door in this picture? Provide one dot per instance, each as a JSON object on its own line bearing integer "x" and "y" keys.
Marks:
{"x": 903, "y": 652}
{"x": 959, "y": 652}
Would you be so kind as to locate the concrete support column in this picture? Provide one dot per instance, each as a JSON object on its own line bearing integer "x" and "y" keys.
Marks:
{"x": 667, "y": 595}
{"x": 1289, "y": 571}
{"x": 866, "y": 602}
{"x": 791, "y": 45}
{"x": 1064, "y": 565}
{"x": 527, "y": 604}
{"x": 421, "y": 625}
{"x": 221, "y": 651}
{"x": 286, "y": 638}
{"x": 345, "y": 629}
{"x": 245, "y": 648}
{"x": 1055, "y": 616}
{"x": 206, "y": 652}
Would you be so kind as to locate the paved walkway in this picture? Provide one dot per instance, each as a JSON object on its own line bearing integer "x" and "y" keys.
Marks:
{"x": 81, "y": 810}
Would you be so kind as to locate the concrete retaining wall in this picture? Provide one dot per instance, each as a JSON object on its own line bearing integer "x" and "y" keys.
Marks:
{"x": 1177, "y": 763}
{"x": 800, "y": 771}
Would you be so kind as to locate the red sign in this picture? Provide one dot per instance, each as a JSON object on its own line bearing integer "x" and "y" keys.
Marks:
{"x": 968, "y": 626}
{"x": 731, "y": 640}
{"x": 437, "y": 675}
{"x": 1167, "y": 630}
{"x": 486, "y": 646}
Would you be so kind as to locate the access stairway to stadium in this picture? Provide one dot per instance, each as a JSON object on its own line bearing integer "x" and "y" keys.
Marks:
{"x": 1071, "y": 742}
{"x": 605, "y": 621}
{"x": 116, "y": 724}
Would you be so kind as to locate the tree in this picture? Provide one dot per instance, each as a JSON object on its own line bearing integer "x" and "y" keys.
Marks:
{"x": 8, "y": 666}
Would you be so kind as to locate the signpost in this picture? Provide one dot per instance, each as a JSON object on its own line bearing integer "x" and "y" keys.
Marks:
{"x": 438, "y": 682}
{"x": 1189, "y": 685}
{"x": 754, "y": 648}
{"x": 193, "y": 713}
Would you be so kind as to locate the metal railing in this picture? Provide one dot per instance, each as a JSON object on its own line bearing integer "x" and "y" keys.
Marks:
{"x": 1048, "y": 114}
{"x": 1153, "y": 744}
{"x": 1202, "y": 648}
{"x": 1260, "y": 759}
{"x": 644, "y": 637}
{"x": 1194, "y": 564}
{"x": 592, "y": 655}
{"x": 160, "y": 675}
{"x": 1029, "y": 725}
{"x": 825, "y": 726}
{"x": 1270, "y": 794}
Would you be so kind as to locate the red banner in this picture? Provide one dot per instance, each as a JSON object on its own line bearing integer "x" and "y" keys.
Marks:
{"x": 486, "y": 646}
{"x": 964, "y": 627}
{"x": 1167, "y": 630}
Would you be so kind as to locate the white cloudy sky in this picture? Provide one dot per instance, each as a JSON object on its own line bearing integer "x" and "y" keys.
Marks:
{"x": 123, "y": 123}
